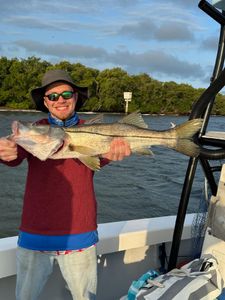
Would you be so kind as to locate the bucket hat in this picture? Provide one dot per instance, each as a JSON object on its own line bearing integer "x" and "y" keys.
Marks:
{"x": 50, "y": 77}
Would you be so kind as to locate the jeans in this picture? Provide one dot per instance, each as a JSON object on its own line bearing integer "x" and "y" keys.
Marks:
{"x": 79, "y": 270}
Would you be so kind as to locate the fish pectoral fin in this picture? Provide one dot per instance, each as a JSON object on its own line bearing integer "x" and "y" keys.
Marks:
{"x": 143, "y": 151}
{"x": 86, "y": 156}
{"x": 87, "y": 151}
{"x": 92, "y": 162}
{"x": 135, "y": 119}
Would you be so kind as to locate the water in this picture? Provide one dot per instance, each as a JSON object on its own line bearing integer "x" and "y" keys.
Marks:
{"x": 137, "y": 187}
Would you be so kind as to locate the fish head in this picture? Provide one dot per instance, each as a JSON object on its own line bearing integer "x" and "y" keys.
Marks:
{"x": 25, "y": 129}
{"x": 39, "y": 140}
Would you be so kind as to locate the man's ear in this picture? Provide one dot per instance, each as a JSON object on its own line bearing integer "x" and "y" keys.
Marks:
{"x": 45, "y": 103}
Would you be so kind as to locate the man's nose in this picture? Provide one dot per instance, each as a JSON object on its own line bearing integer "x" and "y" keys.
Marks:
{"x": 61, "y": 99}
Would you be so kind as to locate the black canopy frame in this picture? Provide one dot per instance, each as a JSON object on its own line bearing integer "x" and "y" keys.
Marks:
{"x": 202, "y": 109}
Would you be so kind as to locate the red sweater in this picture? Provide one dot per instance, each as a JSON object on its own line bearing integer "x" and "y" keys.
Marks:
{"x": 59, "y": 196}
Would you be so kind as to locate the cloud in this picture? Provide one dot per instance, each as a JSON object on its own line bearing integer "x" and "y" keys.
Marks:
{"x": 62, "y": 50}
{"x": 143, "y": 30}
{"x": 15, "y": 7}
{"x": 149, "y": 61}
{"x": 31, "y": 23}
{"x": 37, "y": 23}
{"x": 166, "y": 31}
{"x": 110, "y": 33}
{"x": 185, "y": 3}
{"x": 172, "y": 22}
{"x": 173, "y": 31}
{"x": 158, "y": 62}
{"x": 210, "y": 43}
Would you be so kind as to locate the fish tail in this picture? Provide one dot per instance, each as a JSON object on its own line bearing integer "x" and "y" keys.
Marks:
{"x": 185, "y": 133}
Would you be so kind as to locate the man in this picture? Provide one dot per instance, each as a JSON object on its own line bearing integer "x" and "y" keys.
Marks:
{"x": 59, "y": 211}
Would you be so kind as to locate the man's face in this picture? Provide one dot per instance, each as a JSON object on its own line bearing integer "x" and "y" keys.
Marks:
{"x": 62, "y": 108}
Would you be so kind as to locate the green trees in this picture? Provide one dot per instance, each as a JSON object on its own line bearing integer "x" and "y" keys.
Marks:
{"x": 111, "y": 86}
{"x": 106, "y": 88}
{"x": 18, "y": 77}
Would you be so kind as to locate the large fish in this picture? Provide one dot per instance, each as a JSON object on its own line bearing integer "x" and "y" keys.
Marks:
{"x": 89, "y": 141}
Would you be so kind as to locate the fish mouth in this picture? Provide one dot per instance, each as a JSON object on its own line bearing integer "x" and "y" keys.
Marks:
{"x": 15, "y": 128}
{"x": 18, "y": 127}
{"x": 41, "y": 143}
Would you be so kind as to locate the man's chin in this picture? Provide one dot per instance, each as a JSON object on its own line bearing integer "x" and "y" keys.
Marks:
{"x": 63, "y": 115}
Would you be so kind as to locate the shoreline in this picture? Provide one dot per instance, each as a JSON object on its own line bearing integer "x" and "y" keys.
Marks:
{"x": 18, "y": 110}
{"x": 95, "y": 112}
{"x": 84, "y": 112}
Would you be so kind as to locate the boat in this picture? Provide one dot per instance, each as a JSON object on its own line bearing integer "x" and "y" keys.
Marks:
{"x": 128, "y": 249}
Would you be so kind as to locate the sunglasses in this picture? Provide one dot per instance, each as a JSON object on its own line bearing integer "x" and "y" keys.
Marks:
{"x": 55, "y": 96}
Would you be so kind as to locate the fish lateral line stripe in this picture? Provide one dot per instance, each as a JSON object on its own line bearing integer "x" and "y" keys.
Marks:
{"x": 131, "y": 136}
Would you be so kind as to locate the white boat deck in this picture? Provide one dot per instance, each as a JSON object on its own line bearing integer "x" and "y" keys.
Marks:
{"x": 126, "y": 250}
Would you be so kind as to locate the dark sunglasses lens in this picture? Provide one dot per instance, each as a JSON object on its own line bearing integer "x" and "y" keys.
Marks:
{"x": 67, "y": 94}
{"x": 53, "y": 97}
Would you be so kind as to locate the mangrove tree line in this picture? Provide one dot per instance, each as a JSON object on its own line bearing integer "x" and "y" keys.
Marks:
{"x": 106, "y": 88}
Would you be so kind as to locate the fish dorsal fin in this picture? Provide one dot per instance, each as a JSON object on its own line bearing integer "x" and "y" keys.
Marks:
{"x": 135, "y": 119}
{"x": 96, "y": 119}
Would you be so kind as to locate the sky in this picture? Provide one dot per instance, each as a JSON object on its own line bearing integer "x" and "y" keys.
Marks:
{"x": 169, "y": 40}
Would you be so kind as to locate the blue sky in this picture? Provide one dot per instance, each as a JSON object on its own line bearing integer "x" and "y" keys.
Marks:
{"x": 169, "y": 40}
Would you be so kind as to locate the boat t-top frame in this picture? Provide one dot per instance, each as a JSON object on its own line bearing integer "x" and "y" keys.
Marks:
{"x": 202, "y": 109}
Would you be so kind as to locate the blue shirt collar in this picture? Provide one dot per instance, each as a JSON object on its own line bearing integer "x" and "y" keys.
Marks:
{"x": 67, "y": 123}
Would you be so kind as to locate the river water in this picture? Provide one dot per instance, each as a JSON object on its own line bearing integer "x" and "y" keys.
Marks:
{"x": 137, "y": 187}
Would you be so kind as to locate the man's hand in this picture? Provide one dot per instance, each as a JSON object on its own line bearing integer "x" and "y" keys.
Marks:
{"x": 119, "y": 148}
{"x": 8, "y": 149}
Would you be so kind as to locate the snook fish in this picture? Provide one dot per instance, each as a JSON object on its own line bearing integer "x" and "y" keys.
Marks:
{"x": 88, "y": 141}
